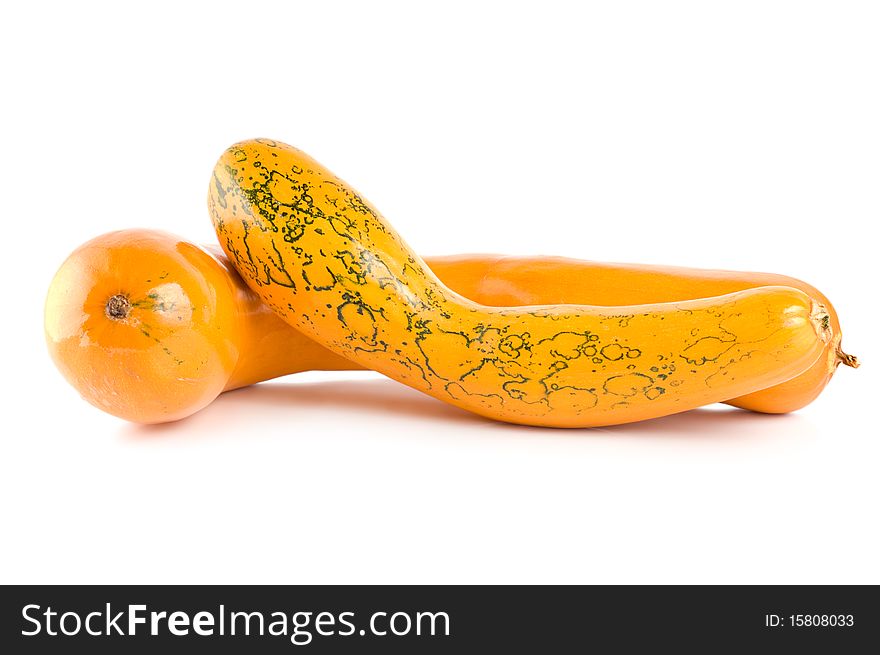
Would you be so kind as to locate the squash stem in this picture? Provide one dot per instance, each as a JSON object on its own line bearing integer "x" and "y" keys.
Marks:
{"x": 118, "y": 307}
{"x": 850, "y": 360}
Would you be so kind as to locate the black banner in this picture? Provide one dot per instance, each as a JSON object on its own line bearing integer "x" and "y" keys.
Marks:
{"x": 418, "y": 619}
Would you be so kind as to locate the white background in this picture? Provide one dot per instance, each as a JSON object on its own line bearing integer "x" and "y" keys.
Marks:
{"x": 729, "y": 135}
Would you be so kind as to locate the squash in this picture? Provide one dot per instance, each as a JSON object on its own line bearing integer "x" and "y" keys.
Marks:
{"x": 151, "y": 328}
{"x": 511, "y": 281}
{"x": 143, "y": 325}
{"x": 260, "y": 346}
{"x": 329, "y": 264}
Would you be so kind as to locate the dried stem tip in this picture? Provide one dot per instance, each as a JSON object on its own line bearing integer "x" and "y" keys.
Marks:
{"x": 849, "y": 360}
{"x": 118, "y": 307}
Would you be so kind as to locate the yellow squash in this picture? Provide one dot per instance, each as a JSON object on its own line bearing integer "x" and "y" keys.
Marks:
{"x": 324, "y": 259}
{"x": 151, "y": 328}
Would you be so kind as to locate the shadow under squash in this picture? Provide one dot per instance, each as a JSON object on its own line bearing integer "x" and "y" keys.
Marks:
{"x": 286, "y": 401}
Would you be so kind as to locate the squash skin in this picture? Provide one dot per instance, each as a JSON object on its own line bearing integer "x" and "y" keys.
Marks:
{"x": 500, "y": 281}
{"x": 325, "y": 261}
{"x": 268, "y": 347}
{"x": 509, "y": 281}
{"x": 173, "y": 341}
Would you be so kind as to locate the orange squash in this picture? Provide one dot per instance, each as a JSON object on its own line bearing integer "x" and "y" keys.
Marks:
{"x": 500, "y": 280}
{"x": 329, "y": 264}
{"x": 143, "y": 325}
{"x": 109, "y": 328}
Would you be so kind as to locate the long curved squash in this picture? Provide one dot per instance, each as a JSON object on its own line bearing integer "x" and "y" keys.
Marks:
{"x": 324, "y": 260}
{"x": 510, "y": 281}
{"x": 110, "y": 331}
